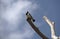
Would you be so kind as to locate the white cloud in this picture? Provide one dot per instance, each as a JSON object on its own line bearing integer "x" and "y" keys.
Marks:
{"x": 18, "y": 35}
{"x": 11, "y": 16}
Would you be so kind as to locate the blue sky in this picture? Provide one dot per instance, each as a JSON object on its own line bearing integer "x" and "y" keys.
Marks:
{"x": 13, "y": 24}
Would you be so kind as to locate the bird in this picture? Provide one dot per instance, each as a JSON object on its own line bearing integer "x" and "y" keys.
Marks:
{"x": 29, "y": 16}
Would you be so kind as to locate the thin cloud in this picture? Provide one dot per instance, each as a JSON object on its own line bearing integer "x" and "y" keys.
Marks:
{"x": 11, "y": 15}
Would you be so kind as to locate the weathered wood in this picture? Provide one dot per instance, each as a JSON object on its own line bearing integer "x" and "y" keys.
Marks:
{"x": 36, "y": 29}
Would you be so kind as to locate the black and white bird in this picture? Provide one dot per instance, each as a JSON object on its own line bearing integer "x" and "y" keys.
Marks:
{"x": 29, "y": 16}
